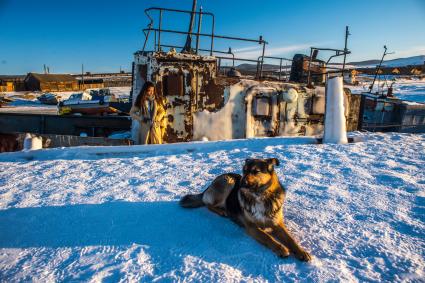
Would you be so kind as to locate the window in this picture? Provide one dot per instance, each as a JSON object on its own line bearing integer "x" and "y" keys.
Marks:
{"x": 261, "y": 106}
{"x": 173, "y": 85}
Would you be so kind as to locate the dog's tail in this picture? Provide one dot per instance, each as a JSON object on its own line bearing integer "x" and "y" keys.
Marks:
{"x": 192, "y": 201}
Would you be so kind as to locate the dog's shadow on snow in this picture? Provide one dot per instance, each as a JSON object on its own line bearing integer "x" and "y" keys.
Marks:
{"x": 168, "y": 231}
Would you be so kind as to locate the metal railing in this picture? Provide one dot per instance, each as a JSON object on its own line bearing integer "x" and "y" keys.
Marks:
{"x": 158, "y": 31}
{"x": 312, "y": 58}
{"x": 281, "y": 59}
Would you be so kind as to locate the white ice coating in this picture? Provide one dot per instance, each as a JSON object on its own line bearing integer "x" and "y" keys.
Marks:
{"x": 32, "y": 142}
{"x": 251, "y": 124}
{"x": 235, "y": 120}
{"x": 335, "y": 126}
{"x": 227, "y": 123}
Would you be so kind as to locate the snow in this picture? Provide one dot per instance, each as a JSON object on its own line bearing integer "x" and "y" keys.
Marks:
{"x": 399, "y": 62}
{"x": 335, "y": 124}
{"x": 406, "y": 89}
{"x": 221, "y": 125}
{"x": 32, "y": 142}
{"x": 112, "y": 214}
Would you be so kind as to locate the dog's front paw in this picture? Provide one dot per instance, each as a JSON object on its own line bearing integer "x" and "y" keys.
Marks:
{"x": 303, "y": 256}
{"x": 282, "y": 252}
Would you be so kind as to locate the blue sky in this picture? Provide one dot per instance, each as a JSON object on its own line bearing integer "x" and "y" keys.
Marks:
{"x": 103, "y": 35}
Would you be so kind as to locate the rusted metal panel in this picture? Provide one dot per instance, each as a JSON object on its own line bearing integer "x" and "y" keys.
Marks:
{"x": 181, "y": 80}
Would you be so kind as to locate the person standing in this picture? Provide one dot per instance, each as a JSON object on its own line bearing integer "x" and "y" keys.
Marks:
{"x": 149, "y": 111}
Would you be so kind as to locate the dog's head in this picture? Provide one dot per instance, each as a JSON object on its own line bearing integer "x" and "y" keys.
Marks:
{"x": 258, "y": 172}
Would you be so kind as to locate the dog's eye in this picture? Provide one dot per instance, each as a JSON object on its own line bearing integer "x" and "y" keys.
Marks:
{"x": 255, "y": 171}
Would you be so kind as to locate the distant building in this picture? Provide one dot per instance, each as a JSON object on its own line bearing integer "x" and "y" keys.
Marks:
{"x": 11, "y": 83}
{"x": 50, "y": 82}
{"x": 90, "y": 83}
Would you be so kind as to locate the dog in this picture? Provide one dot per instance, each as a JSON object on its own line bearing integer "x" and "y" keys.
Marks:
{"x": 255, "y": 202}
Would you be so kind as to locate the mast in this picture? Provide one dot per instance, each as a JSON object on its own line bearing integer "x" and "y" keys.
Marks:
{"x": 188, "y": 46}
{"x": 377, "y": 69}
{"x": 347, "y": 33}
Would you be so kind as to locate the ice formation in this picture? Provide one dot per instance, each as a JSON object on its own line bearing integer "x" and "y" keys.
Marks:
{"x": 335, "y": 127}
{"x": 32, "y": 142}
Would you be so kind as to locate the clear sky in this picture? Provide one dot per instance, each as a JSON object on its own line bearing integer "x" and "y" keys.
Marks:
{"x": 103, "y": 35}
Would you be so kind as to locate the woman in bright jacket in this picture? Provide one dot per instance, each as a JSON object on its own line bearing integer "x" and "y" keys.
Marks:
{"x": 149, "y": 111}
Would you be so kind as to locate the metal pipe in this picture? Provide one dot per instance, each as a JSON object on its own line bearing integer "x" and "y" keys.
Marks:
{"x": 199, "y": 29}
{"x": 188, "y": 46}
{"x": 150, "y": 25}
{"x": 82, "y": 75}
{"x": 200, "y": 49}
{"x": 280, "y": 68}
{"x": 347, "y": 33}
{"x": 159, "y": 33}
{"x": 309, "y": 64}
{"x": 271, "y": 57}
{"x": 262, "y": 59}
{"x": 209, "y": 35}
{"x": 377, "y": 69}
{"x": 146, "y": 38}
{"x": 154, "y": 42}
{"x": 176, "y": 10}
{"x": 212, "y": 35}
{"x": 327, "y": 49}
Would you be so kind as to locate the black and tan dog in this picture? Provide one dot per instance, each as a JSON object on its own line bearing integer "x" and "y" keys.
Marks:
{"x": 255, "y": 202}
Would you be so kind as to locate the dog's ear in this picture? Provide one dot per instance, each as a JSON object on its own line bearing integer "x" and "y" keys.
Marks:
{"x": 273, "y": 161}
{"x": 270, "y": 164}
{"x": 248, "y": 160}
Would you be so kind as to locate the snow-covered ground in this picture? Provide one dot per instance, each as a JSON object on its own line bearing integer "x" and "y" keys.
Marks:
{"x": 112, "y": 214}
{"x": 406, "y": 89}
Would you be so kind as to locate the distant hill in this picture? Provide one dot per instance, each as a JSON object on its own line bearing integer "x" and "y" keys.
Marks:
{"x": 253, "y": 67}
{"x": 365, "y": 63}
{"x": 399, "y": 62}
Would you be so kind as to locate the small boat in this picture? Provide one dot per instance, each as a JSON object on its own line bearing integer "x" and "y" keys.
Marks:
{"x": 86, "y": 104}
{"x": 48, "y": 98}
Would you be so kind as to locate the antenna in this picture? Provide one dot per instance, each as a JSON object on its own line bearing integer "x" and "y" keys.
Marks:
{"x": 82, "y": 76}
{"x": 347, "y": 33}
{"x": 378, "y": 68}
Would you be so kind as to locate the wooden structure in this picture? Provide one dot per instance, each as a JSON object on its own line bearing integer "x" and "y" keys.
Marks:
{"x": 90, "y": 83}
{"x": 7, "y": 86}
{"x": 50, "y": 82}
{"x": 11, "y": 83}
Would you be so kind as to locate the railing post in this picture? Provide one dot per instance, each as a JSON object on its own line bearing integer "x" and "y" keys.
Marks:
{"x": 159, "y": 32}
{"x": 212, "y": 36}
{"x": 280, "y": 68}
{"x": 262, "y": 56}
{"x": 199, "y": 29}
{"x": 309, "y": 64}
